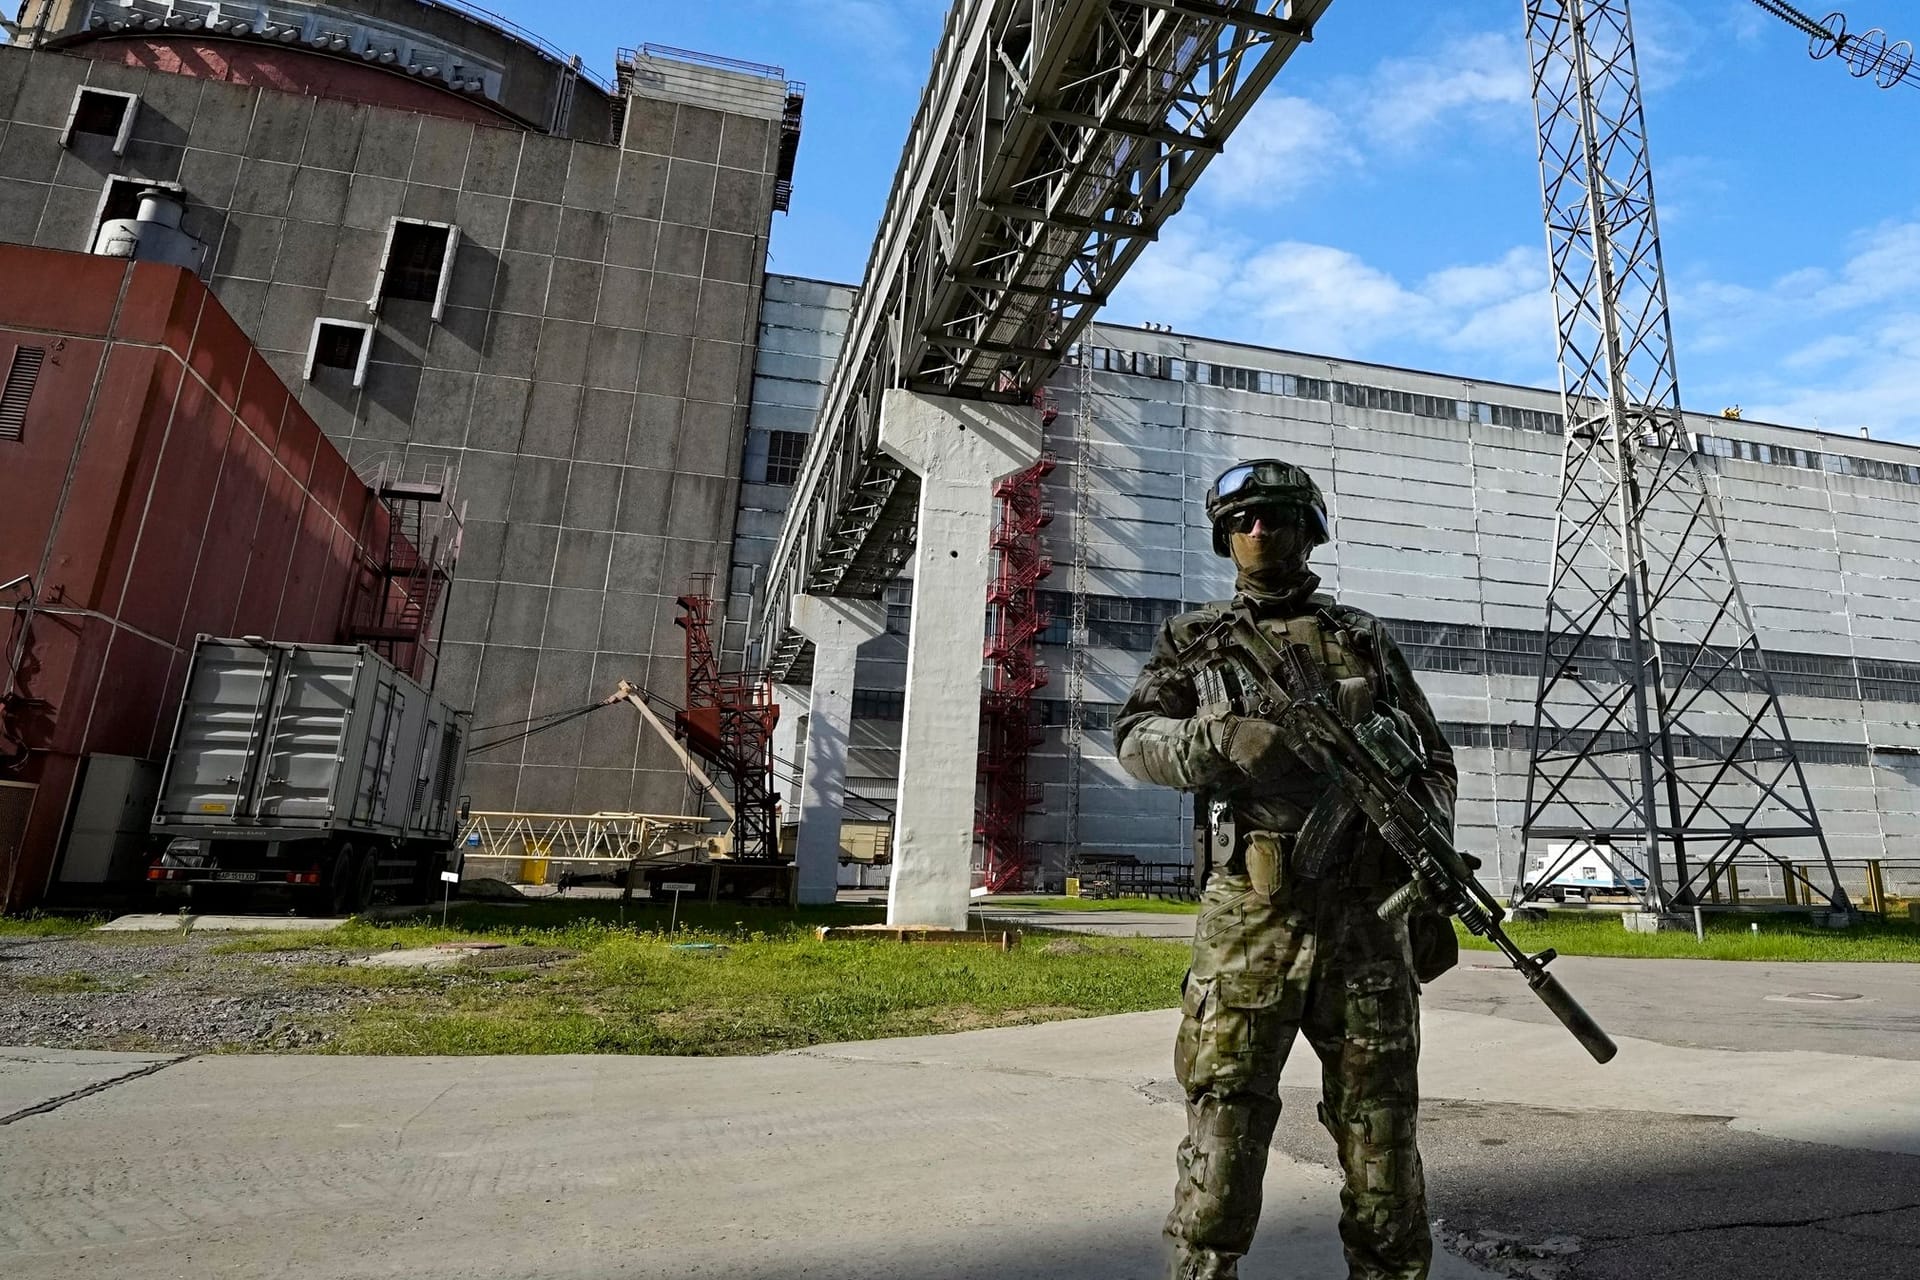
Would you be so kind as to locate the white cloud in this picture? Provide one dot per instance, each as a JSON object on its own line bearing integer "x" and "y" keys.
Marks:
{"x": 1835, "y": 346}
{"x": 1493, "y": 319}
{"x": 1480, "y": 79}
{"x": 1284, "y": 146}
{"x": 1288, "y": 144}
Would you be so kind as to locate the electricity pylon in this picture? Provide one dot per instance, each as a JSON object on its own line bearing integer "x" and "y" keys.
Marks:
{"x": 1659, "y": 741}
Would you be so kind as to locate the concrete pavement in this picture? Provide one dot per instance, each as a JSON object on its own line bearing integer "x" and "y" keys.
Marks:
{"x": 1016, "y": 1152}
{"x": 1109, "y": 924}
{"x": 1037, "y": 1151}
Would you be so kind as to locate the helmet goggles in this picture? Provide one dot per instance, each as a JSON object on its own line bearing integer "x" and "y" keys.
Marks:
{"x": 1265, "y": 485}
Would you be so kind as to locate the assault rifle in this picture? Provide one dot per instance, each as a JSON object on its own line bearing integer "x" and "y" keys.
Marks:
{"x": 1374, "y": 764}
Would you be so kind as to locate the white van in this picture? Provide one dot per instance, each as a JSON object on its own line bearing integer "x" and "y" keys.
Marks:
{"x": 1580, "y": 870}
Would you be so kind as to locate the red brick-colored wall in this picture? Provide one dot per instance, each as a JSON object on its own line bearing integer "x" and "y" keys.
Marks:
{"x": 166, "y": 484}
{"x": 291, "y": 70}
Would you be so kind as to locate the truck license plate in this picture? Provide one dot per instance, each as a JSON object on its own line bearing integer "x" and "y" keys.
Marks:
{"x": 236, "y": 875}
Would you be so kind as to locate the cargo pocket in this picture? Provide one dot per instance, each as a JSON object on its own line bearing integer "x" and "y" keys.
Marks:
{"x": 1380, "y": 1007}
{"x": 1250, "y": 990}
{"x": 1228, "y": 1038}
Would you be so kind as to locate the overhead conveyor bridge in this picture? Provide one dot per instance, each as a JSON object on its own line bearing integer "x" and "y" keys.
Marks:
{"x": 1054, "y": 139}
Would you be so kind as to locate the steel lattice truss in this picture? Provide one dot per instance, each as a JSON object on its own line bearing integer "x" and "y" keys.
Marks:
{"x": 1657, "y": 730}
{"x": 1054, "y": 139}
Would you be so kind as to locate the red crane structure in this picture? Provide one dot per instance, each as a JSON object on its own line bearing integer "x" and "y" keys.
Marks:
{"x": 728, "y": 722}
{"x": 1015, "y": 621}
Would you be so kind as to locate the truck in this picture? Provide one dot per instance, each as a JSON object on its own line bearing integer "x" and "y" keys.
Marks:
{"x": 1581, "y": 870}
{"x": 321, "y": 770}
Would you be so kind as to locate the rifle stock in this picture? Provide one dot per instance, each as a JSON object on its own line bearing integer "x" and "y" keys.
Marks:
{"x": 1293, "y": 693}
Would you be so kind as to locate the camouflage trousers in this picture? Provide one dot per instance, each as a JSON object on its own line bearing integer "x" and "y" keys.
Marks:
{"x": 1318, "y": 961}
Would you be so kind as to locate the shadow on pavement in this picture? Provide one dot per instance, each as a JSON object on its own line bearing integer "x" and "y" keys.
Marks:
{"x": 1657, "y": 1197}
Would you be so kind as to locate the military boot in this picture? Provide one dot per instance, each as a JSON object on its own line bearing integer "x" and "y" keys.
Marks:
{"x": 1205, "y": 1264}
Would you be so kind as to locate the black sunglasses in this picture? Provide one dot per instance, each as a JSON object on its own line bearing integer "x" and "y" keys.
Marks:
{"x": 1274, "y": 517}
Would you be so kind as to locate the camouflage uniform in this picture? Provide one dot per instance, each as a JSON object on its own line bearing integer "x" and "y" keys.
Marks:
{"x": 1276, "y": 952}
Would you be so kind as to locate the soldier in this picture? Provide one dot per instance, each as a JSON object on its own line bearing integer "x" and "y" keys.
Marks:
{"x": 1288, "y": 938}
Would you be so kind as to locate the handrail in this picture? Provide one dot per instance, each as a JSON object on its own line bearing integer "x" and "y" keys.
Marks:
{"x": 513, "y": 30}
{"x": 765, "y": 71}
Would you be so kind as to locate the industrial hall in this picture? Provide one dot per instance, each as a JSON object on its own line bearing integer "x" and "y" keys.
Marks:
{"x": 388, "y": 326}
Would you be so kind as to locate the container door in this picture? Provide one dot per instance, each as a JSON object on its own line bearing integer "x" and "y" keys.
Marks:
{"x": 403, "y": 756}
{"x": 376, "y": 760}
{"x": 420, "y": 818}
{"x": 218, "y": 743}
{"x": 307, "y": 739}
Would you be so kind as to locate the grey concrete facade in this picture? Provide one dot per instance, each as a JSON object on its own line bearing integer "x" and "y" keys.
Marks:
{"x": 1442, "y": 493}
{"x": 588, "y": 375}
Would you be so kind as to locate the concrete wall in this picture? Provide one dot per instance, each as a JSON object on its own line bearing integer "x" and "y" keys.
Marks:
{"x": 521, "y": 81}
{"x": 1442, "y": 493}
{"x": 802, "y": 326}
{"x": 589, "y": 375}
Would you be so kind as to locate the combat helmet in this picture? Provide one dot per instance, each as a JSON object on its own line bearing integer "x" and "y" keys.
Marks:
{"x": 1264, "y": 482}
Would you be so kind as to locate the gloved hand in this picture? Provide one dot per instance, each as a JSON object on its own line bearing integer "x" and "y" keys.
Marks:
{"x": 1254, "y": 747}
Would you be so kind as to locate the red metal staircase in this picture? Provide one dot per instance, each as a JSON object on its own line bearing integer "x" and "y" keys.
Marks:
{"x": 1007, "y": 730}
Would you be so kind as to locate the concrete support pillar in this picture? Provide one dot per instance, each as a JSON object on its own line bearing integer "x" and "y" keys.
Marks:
{"x": 787, "y": 740}
{"x": 837, "y": 628}
{"x": 959, "y": 448}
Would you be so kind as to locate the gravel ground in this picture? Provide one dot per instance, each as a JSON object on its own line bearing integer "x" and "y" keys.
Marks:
{"x": 165, "y": 994}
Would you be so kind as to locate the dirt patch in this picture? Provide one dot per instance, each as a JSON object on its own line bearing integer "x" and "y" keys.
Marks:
{"x": 518, "y": 958}
{"x": 1066, "y": 947}
{"x": 167, "y": 993}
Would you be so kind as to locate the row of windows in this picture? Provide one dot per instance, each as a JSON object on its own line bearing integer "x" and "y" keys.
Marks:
{"x": 1520, "y": 737}
{"x": 1051, "y": 713}
{"x": 1145, "y": 364}
{"x": 1131, "y": 624}
{"x": 1269, "y": 382}
{"x": 1779, "y": 455}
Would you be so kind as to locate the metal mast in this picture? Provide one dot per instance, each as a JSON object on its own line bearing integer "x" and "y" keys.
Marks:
{"x": 1658, "y": 736}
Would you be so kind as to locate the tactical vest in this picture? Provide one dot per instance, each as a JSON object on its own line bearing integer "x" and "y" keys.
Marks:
{"x": 1273, "y": 820}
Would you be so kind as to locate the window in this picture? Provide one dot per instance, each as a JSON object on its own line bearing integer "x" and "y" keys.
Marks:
{"x": 785, "y": 450}
{"x": 339, "y": 344}
{"x": 879, "y": 704}
{"x": 1506, "y": 415}
{"x": 120, "y": 198}
{"x": 899, "y": 599}
{"x": 103, "y": 113}
{"x": 418, "y": 265}
{"x": 17, "y": 392}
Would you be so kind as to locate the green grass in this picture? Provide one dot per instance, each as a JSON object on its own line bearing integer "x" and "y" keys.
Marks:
{"x": 35, "y": 924}
{"x": 61, "y": 984}
{"x": 1781, "y": 937}
{"x": 1156, "y": 906}
{"x": 766, "y": 983}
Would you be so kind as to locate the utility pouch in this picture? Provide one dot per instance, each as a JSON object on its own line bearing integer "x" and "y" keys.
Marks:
{"x": 1436, "y": 948}
{"x": 1266, "y": 857}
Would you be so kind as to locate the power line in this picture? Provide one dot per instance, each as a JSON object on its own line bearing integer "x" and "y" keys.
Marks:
{"x": 1871, "y": 53}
